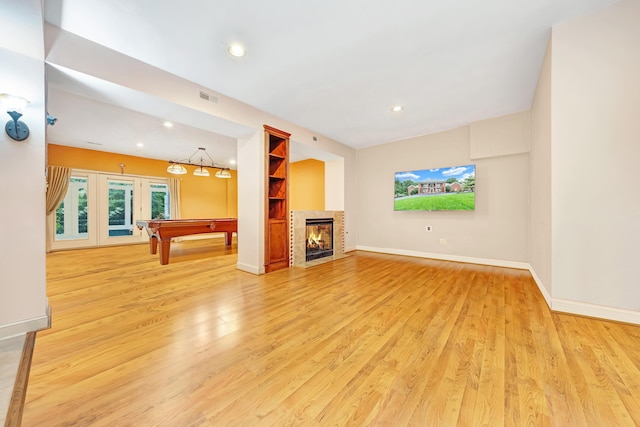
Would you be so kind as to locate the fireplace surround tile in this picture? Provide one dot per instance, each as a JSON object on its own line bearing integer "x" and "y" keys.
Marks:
{"x": 298, "y": 223}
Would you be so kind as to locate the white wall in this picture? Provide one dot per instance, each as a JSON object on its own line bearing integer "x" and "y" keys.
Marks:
{"x": 595, "y": 152}
{"x": 540, "y": 179}
{"x": 251, "y": 152}
{"x": 23, "y": 303}
{"x": 334, "y": 185}
{"x": 500, "y": 136}
{"x": 495, "y": 233}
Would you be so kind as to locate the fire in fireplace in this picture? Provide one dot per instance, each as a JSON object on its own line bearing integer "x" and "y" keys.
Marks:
{"x": 319, "y": 238}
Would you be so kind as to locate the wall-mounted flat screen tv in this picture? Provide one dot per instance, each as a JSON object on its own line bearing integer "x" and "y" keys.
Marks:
{"x": 450, "y": 188}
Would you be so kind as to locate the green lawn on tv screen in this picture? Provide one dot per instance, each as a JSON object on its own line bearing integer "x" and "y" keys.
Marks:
{"x": 440, "y": 202}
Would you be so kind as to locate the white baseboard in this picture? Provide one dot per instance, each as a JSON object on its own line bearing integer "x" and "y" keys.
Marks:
{"x": 585, "y": 309}
{"x": 27, "y": 325}
{"x": 594, "y": 310}
{"x": 543, "y": 290}
{"x": 249, "y": 268}
{"x": 444, "y": 257}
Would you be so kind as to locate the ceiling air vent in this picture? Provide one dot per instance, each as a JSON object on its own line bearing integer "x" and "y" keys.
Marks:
{"x": 208, "y": 97}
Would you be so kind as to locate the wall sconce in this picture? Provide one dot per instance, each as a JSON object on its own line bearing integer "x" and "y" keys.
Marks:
{"x": 14, "y": 106}
{"x": 51, "y": 120}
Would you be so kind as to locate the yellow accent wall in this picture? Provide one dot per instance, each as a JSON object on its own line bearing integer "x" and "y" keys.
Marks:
{"x": 201, "y": 197}
{"x": 306, "y": 188}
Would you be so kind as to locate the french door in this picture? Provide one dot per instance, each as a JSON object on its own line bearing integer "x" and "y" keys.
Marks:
{"x": 101, "y": 210}
{"x": 119, "y": 198}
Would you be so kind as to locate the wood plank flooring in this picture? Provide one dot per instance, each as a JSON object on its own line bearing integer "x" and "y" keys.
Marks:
{"x": 370, "y": 339}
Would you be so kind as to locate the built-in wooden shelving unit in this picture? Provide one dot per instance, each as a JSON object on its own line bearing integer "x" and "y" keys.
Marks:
{"x": 276, "y": 234}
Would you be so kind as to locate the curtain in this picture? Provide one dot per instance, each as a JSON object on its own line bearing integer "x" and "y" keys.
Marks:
{"x": 57, "y": 185}
{"x": 174, "y": 198}
{"x": 174, "y": 202}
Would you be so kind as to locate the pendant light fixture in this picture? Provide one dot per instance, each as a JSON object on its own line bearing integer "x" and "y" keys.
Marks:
{"x": 223, "y": 173}
{"x": 203, "y": 164}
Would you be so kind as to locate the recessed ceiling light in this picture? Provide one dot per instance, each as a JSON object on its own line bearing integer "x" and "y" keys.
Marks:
{"x": 397, "y": 108}
{"x": 140, "y": 144}
{"x": 233, "y": 162}
{"x": 167, "y": 124}
{"x": 237, "y": 50}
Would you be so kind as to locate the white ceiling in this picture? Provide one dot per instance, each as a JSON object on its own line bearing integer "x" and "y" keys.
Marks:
{"x": 335, "y": 67}
{"x": 100, "y": 115}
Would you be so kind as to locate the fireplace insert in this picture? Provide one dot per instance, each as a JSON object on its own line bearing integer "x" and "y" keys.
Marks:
{"x": 319, "y": 238}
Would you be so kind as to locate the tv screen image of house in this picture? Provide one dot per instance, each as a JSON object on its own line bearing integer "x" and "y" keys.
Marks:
{"x": 443, "y": 189}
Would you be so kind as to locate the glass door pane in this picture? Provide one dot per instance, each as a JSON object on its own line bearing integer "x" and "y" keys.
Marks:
{"x": 71, "y": 215}
{"x": 120, "y": 200}
{"x": 159, "y": 201}
{"x": 73, "y": 223}
{"x": 120, "y": 206}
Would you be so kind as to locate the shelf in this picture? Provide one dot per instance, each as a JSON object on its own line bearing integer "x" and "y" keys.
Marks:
{"x": 278, "y": 147}
{"x": 278, "y": 168}
{"x": 277, "y": 209}
{"x": 277, "y": 188}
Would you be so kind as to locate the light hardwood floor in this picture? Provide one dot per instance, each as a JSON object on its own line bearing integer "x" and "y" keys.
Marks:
{"x": 370, "y": 339}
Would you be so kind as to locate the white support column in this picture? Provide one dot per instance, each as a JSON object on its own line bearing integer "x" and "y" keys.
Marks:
{"x": 251, "y": 204}
{"x": 23, "y": 299}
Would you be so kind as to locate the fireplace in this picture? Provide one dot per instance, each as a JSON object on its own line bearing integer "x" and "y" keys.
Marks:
{"x": 319, "y": 238}
{"x": 299, "y": 236}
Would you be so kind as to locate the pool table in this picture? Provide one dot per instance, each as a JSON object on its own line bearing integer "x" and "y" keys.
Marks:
{"x": 163, "y": 230}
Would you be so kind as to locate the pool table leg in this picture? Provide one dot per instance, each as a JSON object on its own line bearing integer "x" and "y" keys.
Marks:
{"x": 153, "y": 245}
{"x": 165, "y": 246}
{"x": 227, "y": 237}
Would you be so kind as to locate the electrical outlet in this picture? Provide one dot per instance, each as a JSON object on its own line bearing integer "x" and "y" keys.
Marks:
{"x": 428, "y": 228}
{"x": 443, "y": 240}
